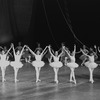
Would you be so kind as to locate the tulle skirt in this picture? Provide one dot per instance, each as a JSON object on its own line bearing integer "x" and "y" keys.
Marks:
{"x": 16, "y": 64}
{"x": 38, "y": 63}
{"x": 4, "y": 63}
{"x": 72, "y": 65}
{"x": 56, "y": 64}
{"x": 90, "y": 64}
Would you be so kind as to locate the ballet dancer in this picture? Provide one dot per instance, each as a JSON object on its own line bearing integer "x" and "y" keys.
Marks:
{"x": 38, "y": 63}
{"x": 71, "y": 64}
{"x": 4, "y": 62}
{"x": 17, "y": 64}
{"x": 90, "y": 64}
{"x": 19, "y": 47}
{"x": 56, "y": 64}
{"x": 83, "y": 57}
{"x": 38, "y": 48}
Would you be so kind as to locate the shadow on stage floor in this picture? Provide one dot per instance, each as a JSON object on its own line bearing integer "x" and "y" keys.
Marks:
{"x": 47, "y": 89}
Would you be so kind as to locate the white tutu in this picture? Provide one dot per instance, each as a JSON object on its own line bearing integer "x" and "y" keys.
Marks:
{"x": 38, "y": 63}
{"x": 16, "y": 64}
{"x": 56, "y": 64}
{"x": 90, "y": 64}
{"x": 72, "y": 65}
{"x": 4, "y": 63}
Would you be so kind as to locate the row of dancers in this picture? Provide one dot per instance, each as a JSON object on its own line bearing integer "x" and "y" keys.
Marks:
{"x": 56, "y": 60}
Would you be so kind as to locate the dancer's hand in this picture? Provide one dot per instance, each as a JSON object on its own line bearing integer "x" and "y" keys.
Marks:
{"x": 12, "y": 44}
{"x": 94, "y": 46}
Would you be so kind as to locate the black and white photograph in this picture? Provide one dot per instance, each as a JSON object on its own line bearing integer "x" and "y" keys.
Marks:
{"x": 49, "y": 50}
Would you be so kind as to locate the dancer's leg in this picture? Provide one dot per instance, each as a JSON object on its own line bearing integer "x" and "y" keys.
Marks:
{"x": 71, "y": 75}
{"x": 83, "y": 61}
{"x": 3, "y": 73}
{"x": 37, "y": 74}
{"x": 56, "y": 74}
{"x": 91, "y": 75}
{"x": 16, "y": 72}
{"x": 39, "y": 68}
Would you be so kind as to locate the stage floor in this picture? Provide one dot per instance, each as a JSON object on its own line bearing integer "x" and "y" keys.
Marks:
{"x": 47, "y": 89}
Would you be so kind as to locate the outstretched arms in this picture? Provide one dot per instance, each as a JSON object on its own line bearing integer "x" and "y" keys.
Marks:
{"x": 9, "y": 49}
{"x": 30, "y": 50}
{"x": 66, "y": 51}
{"x": 50, "y": 51}
{"x": 44, "y": 50}
{"x": 84, "y": 53}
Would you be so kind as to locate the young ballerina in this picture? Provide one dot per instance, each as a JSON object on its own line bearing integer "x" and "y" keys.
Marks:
{"x": 19, "y": 47}
{"x": 83, "y": 57}
{"x": 56, "y": 64}
{"x": 17, "y": 64}
{"x": 72, "y": 64}
{"x": 38, "y": 63}
{"x": 90, "y": 64}
{"x": 4, "y": 62}
{"x": 38, "y": 48}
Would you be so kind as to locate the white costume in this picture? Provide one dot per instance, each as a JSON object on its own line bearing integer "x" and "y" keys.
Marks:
{"x": 3, "y": 61}
{"x": 17, "y": 63}
{"x": 91, "y": 63}
{"x": 38, "y": 62}
{"x": 56, "y": 63}
{"x": 72, "y": 64}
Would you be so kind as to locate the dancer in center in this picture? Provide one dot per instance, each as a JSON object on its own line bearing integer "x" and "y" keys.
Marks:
{"x": 72, "y": 64}
{"x": 56, "y": 64}
{"x": 90, "y": 64}
{"x": 38, "y": 64}
{"x": 17, "y": 64}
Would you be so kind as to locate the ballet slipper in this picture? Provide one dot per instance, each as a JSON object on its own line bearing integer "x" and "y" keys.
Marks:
{"x": 16, "y": 80}
{"x": 3, "y": 80}
{"x": 38, "y": 80}
{"x": 74, "y": 81}
{"x": 56, "y": 81}
{"x": 71, "y": 80}
{"x": 92, "y": 81}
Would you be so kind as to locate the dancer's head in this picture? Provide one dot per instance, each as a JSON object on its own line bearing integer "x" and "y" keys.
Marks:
{"x": 18, "y": 52}
{"x": 91, "y": 54}
{"x": 56, "y": 53}
{"x": 3, "y": 51}
{"x": 38, "y": 52}
{"x": 19, "y": 43}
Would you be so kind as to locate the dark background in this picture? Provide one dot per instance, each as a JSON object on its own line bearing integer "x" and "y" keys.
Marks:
{"x": 26, "y": 21}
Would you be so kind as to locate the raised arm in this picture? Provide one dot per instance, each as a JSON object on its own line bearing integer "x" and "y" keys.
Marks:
{"x": 74, "y": 50}
{"x": 22, "y": 49}
{"x": 50, "y": 51}
{"x": 13, "y": 49}
{"x": 44, "y": 50}
{"x": 31, "y": 50}
{"x": 67, "y": 52}
{"x": 60, "y": 54}
{"x": 9, "y": 49}
{"x": 84, "y": 53}
{"x": 1, "y": 47}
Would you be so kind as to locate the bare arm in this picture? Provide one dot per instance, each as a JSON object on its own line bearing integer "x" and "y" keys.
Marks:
{"x": 13, "y": 50}
{"x": 74, "y": 50}
{"x": 50, "y": 51}
{"x": 84, "y": 53}
{"x": 44, "y": 50}
{"x": 1, "y": 47}
{"x": 9, "y": 49}
{"x": 67, "y": 52}
{"x": 31, "y": 51}
{"x": 22, "y": 50}
{"x": 60, "y": 54}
